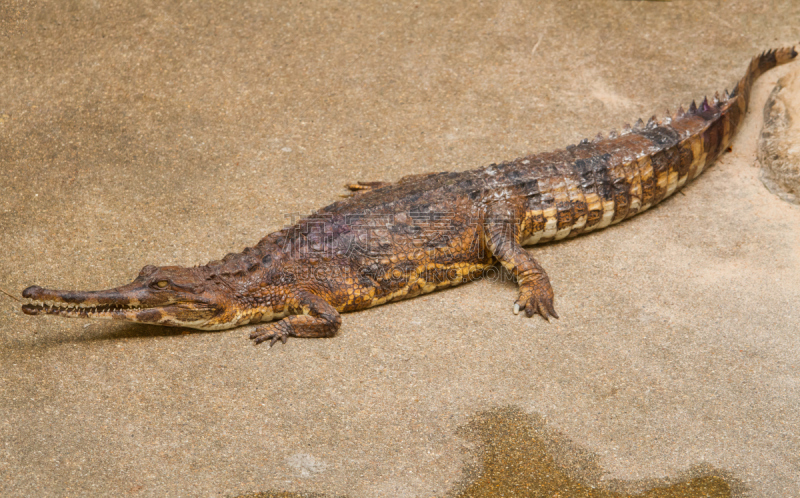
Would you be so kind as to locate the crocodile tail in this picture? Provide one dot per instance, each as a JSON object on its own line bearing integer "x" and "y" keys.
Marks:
{"x": 758, "y": 66}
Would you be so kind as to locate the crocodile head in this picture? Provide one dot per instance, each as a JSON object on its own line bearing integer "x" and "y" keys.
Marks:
{"x": 169, "y": 295}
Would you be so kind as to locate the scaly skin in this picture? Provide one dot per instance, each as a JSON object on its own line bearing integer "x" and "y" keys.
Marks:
{"x": 425, "y": 232}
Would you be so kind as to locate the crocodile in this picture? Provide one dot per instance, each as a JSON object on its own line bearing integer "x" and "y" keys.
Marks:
{"x": 390, "y": 241}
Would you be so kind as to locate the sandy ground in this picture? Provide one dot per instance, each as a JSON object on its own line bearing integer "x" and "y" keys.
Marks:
{"x": 133, "y": 133}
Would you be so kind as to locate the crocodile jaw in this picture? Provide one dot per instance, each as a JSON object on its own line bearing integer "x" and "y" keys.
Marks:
{"x": 132, "y": 303}
{"x": 70, "y": 310}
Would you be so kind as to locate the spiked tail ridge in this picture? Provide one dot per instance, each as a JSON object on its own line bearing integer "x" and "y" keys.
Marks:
{"x": 759, "y": 65}
{"x": 690, "y": 141}
{"x": 609, "y": 180}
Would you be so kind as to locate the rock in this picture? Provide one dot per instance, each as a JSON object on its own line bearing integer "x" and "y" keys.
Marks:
{"x": 779, "y": 145}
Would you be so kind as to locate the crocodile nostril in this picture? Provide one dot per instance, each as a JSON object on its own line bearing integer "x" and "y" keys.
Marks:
{"x": 31, "y": 292}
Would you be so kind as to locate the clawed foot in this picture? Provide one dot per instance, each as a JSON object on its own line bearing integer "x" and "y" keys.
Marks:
{"x": 536, "y": 300}
{"x": 273, "y": 332}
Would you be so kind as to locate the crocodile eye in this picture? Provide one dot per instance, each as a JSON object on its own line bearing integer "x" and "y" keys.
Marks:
{"x": 162, "y": 283}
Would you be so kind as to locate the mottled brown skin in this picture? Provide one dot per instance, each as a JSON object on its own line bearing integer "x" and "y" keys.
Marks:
{"x": 392, "y": 241}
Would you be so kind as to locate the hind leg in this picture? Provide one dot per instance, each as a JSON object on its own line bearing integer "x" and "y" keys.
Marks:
{"x": 535, "y": 292}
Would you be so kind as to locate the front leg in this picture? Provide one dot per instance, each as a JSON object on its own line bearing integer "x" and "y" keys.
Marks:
{"x": 502, "y": 239}
{"x": 313, "y": 317}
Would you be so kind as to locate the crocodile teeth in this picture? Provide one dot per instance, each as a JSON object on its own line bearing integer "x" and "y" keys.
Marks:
{"x": 79, "y": 308}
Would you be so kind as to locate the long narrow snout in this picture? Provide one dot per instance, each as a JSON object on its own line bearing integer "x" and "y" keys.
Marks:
{"x": 142, "y": 301}
{"x": 118, "y": 303}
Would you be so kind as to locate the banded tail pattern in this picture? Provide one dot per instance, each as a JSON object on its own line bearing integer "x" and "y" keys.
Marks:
{"x": 596, "y": 183}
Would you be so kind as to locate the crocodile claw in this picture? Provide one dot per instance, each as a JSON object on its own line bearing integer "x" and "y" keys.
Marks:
{"x": 273, "y": 333}
{"x": 536, "y": 303}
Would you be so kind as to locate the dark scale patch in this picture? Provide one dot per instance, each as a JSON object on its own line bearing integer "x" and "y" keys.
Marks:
{"x": 660, "y": 136}
{"x": 686, "y": 156}
{"x": 412, "y": 198}
{"x": 391, "y": 283}
{"x": 438, "y": 240}
{"x": 586, "y": 182}
{"x": 734, "y": 116}
{"x": 566, "y": 218}
{"x": 593, "y": 174}
{"x": 445, "y": 256}
{"x": 399, "y": 229}
{"x": 535, "y": 224}
{"x": 593, "y": 217}
{"x": 74, "y": 297}
{"x": 281, "y": 278}
{"x": 406, "y": 267}
{"x": 514, "y": 174}
{"x": 533, "y": 201}
{"x": 712, "y": 138}
{"x": 420, "y": 211}
{"x": 548, "y": 170}
{"x": 602, "y": 178}
{"x": 579, "y": 208}
{"x": 149, "y": 316}
{"x": 546, "y": 201}
{"x": 414, "y": 290}
{"x": 622, "y": 198}
{"x": 251, "y": 264}
{"x": 673, "y": 160}
{"x": 595, "y": 178}
{"x": 660, "y": 167}
{"x": 648, "y": 184}
{"x": 529, "y": 188}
